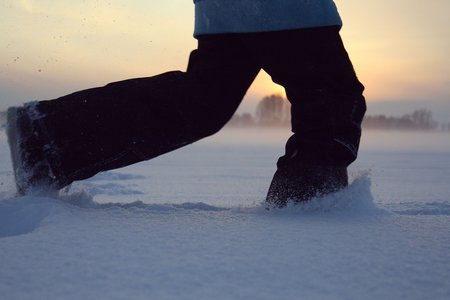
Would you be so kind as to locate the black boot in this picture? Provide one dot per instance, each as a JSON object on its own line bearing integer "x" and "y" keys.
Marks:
{"x": 32, "y": 153}
{"x": 302, "y": 182}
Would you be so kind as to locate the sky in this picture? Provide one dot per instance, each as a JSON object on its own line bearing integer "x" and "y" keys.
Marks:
{"x": 48, "y": 48}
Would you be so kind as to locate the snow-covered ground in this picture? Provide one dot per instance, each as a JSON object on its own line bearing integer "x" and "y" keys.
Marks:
{"x": 190, "y": 225}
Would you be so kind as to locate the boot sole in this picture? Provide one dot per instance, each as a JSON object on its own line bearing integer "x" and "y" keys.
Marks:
{"x": 13, "y": 141}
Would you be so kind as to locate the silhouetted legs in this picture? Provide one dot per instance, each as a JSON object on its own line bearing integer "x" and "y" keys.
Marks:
{"x": 129, "y": 121}
{"x": 327, "y": 110}
{"x": 134, "y": 120}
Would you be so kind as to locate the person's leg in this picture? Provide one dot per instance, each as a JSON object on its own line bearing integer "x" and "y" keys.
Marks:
{"x": 327, "y": 110}
{"x": 129, "y": 121}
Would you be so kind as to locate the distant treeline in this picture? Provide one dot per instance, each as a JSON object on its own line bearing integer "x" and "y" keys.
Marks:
{"x": 274, "y": 110}
{"x": 418, "y": 120}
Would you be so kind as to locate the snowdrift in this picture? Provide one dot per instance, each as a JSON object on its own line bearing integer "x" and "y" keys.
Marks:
{"x": 191, "y": 225}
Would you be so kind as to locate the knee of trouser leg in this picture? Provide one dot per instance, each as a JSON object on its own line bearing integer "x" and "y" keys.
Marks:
{"x": 213, "y": 117}
{"x": 213, "y": 123}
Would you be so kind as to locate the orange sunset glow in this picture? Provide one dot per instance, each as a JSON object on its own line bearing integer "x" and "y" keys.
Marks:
{"x": 50, "y": 48}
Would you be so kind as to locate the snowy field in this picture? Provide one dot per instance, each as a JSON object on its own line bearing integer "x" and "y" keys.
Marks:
{"x": 190, "y": 225}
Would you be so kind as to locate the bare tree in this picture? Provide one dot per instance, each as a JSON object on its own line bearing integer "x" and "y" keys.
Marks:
{"x": 423, "y": 119}
{"x": 273, "y": 110}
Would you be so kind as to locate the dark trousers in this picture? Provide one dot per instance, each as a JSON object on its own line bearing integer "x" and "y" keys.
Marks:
{"x": 138, "y": 119}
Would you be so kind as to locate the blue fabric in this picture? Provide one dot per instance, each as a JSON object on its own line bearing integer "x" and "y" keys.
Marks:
{"x": 233, "y": 16}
